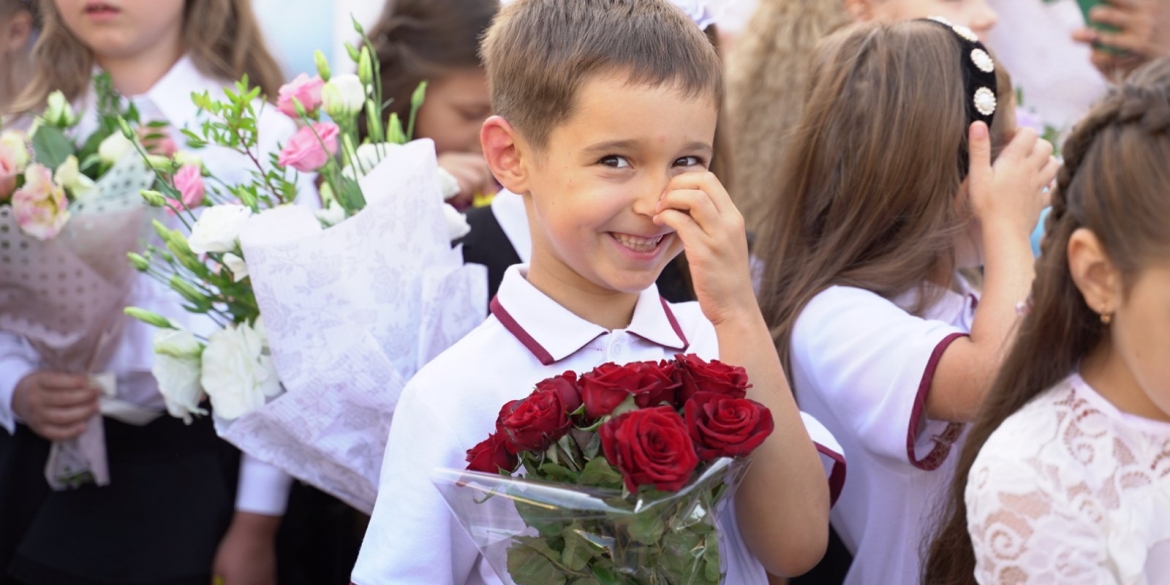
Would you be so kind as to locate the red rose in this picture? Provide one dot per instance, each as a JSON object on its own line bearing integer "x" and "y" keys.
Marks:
{"x": 695, "y": 375}
{"x": 608, "y": 385}
{"x": 565, "y": 386}
{"x": 536, "y": 422}
{"x": 722, "y": 426}
{"x": 650, "y": 447}
{"x": 491, "y": 456}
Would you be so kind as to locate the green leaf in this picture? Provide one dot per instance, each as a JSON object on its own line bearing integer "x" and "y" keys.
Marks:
{"x": 557, "y": 473}
{"x": 598, "y": 472}
{"x": 51, "y": 146}
{"x": 547, "y": 521}
{"x": 593, "y": 447}
{"x": 711, "y": 564}
{"x": 351, "y": 197}
{"x": 578, "y": 551}
{"x": 682, "y": 552}
{"x": 647, "y": 527}
{"x": 586, "y": 581}
{"x": 529, "y": 564}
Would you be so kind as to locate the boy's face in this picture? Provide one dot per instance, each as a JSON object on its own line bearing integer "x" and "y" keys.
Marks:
{"x": 594, "y": 188}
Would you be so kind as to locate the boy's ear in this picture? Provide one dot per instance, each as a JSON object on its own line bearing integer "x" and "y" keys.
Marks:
{"x": 20, "y": 30}
{"x": 1093, "y": 272}
{"x": 504, "y": 150}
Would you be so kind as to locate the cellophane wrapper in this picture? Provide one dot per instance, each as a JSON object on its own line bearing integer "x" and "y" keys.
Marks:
{"x": 65, "y": 296}
{"x": 351, "y": 313}
{"x": 540, "y": 533}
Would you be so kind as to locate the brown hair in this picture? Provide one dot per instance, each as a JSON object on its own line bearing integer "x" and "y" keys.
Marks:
{"x": 539, "y": 52}
{"x": 873, "y": 173}
{"x": 417, "y": 40}
{"x": 221, "y": 37}
{"x": 17, "y": 67}
{"x": 767, "y": 83}
{"x": 1114, "y": 183}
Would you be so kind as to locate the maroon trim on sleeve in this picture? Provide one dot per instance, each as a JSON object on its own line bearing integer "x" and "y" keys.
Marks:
{"x": 520, "y": 334}
{"x": 943, "y": 442}
{"x": 837, "y": 476}
{"x": 674, "y": 325}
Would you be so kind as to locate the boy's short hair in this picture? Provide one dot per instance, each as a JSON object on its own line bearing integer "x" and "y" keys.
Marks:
{"x": 538, "y": 53}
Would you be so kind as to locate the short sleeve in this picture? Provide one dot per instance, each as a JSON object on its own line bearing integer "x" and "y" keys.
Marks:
{"x": 871, "y": 365}
{"x": 1024, "y": 531}
{"x": 412, "y": 536}
{"x": 17, "y": 360}
{"x": 832, "y": 455}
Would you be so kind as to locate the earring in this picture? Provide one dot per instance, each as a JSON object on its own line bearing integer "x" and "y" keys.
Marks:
{"x": 1106, "y": 316}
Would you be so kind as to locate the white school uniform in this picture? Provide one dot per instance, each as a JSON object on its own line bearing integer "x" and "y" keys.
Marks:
{"x": 1071, "y": 490}
{"x": 863, "y": 366}
{"x": 263, "y": 489}
{"x": 452, "y": 403}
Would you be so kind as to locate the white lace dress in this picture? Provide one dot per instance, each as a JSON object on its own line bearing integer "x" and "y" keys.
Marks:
{"x": 1070, "y": 490}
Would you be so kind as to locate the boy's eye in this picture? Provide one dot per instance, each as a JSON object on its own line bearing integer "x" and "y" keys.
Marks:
{"x": 614, "y": 161}
{"x": 689, "y": 161}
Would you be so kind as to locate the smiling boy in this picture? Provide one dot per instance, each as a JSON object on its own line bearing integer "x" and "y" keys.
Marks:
{"x": 606, "y": 116}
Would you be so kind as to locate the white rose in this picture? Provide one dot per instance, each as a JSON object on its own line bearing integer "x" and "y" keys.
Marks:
{"x": 58, "y": 112}
{"x": 368, "y": 157}
{"x": 114, "y": 147}
{"x": 237, "y": 267}
{"x": 343, "y": 96}
{"x": 448, "y": 184}
{"x": 176, "y": 368}
{"x": 457, "y": 226}
{"x": 332, "y": 215}
{"x": 238, "y": 373}
{"x": 69, "y": 176}
{"x": 218, "y": 228}
{"x": 15, "y": 140}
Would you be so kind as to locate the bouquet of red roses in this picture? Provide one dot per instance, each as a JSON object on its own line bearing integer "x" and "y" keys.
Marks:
{"x": 623, "y": 470}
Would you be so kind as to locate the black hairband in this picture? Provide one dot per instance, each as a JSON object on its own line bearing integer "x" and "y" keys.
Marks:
{"x": 978, "y": 73}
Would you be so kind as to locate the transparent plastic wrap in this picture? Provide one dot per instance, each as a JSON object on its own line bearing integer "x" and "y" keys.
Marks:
{"x": 541, "y": 533}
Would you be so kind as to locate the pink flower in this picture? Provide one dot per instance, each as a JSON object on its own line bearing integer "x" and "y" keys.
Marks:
{"x": 304, "y": 89}
{"x": 189, "y": 182}
{"x": 311, "y": 147}
{"x": 40, "y": 205}
{"x": 8, "y": 172}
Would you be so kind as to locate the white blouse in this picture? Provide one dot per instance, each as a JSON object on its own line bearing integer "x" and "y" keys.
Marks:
{"x": 1071, "y": 490}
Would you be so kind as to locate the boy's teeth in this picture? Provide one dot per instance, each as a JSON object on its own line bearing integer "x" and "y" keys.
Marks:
{"x": 638, "y": 244}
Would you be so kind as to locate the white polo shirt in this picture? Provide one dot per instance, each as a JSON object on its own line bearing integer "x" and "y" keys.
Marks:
{"x": 452, "y": 403}
{"x": 863, "y": 365}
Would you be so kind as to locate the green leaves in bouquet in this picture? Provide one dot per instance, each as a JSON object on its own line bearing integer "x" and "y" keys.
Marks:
{"x": 51, "y": 146}
{"x": 530, "y": 562}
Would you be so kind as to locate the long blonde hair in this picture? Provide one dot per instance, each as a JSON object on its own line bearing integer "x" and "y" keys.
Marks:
{"x": 222, "y": 38}
{"x": 767, "y": 81}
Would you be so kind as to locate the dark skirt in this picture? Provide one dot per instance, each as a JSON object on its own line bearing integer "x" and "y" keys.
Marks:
{"x": 169, "y": 502}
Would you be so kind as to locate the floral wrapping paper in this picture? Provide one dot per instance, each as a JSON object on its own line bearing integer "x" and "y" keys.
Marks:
{"x": 351, "y": 313}
{"x": 65, "y": 296}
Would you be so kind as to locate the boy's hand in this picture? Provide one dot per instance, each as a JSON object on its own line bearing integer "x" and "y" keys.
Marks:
{"x": 247, "y": 553}
{"x": 55, "y": 406}
{"x": 698, "y": 208}
{"x": 1011, "y": 193}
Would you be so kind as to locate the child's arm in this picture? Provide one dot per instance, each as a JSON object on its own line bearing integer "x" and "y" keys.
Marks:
{"x": 783, "y": 504}
{"x": 1006, "y": 199}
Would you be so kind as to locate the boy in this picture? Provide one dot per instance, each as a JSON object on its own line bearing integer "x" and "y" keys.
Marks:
{"x": 606, "y": 116}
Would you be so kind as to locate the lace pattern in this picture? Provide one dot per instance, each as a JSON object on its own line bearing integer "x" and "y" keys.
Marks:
{"x": 1071, "y": 491}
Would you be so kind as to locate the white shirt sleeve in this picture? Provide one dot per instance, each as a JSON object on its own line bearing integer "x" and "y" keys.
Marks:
{"x": 871, "y": 364}
{"x": 263, "y": 489}
{"x": 1022, "y": 527}
{"x": 413, "y": 537}
{"x": 832, "y": 455}
{"x": 17, "y": 360}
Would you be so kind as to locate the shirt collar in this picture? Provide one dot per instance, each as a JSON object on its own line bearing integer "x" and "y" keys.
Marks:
{"x": 171, "y": 95}
{"x": 553, "y": 333}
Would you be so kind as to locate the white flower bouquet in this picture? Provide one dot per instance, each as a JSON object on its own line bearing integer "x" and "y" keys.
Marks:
{"x": 323, "y": 315}
{"x": 69, "y": 212}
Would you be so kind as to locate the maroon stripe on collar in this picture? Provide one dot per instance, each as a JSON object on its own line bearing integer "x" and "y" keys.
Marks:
{"x": 837, "y": 476}
{"x": 520, "y": 334}
{"x": 674, "y": 324}
{"x": 943, "y": 442}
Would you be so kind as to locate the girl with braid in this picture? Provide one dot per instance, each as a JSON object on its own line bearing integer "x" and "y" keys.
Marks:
{"x": 1065, "y": 478}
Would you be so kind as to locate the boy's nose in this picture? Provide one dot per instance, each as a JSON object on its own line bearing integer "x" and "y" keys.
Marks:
{"x": 649, "y": 194}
